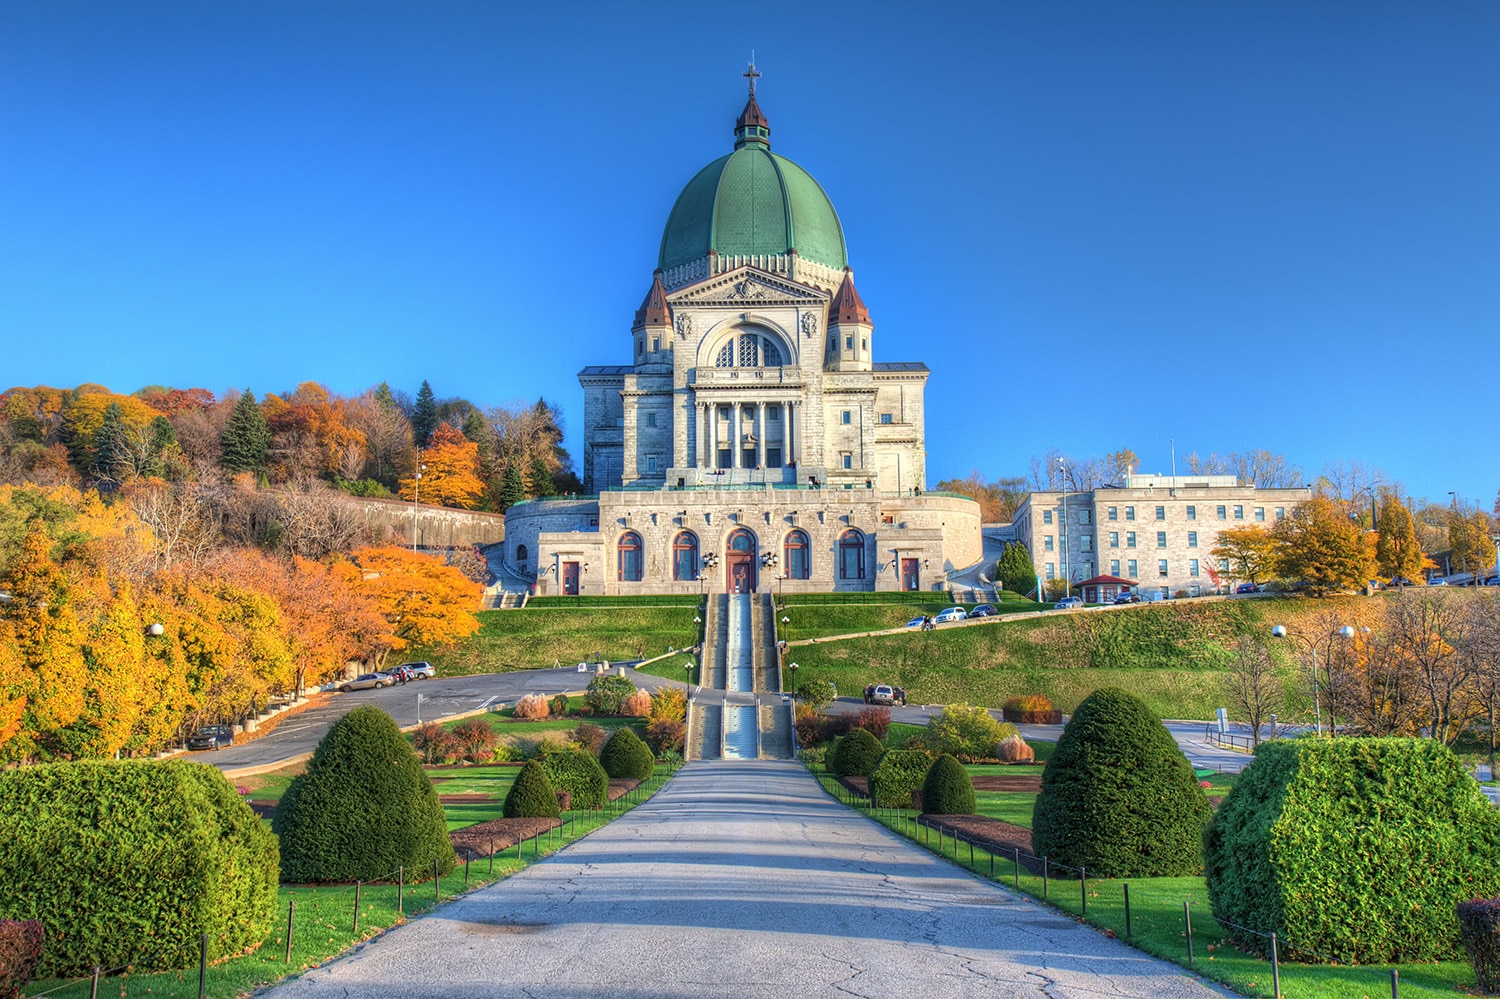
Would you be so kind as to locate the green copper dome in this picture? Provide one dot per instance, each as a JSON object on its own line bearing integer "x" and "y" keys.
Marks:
{"x": 752, "y": 202}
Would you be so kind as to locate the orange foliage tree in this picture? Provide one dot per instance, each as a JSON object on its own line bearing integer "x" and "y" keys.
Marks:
{"x": 423, "y": 601}
{"x": 452, "y": 474}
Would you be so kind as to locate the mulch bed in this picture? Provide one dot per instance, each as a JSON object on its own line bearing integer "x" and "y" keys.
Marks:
{"x": 859, "y": 785}
{"x": 497, "y": 835}
{"x": 988, "y": 834}
{"x": 1029, "y": 783}
{"x": 263, "y": 808}
{"x": 464, "y": 799}
{"x": 619, "y": 787}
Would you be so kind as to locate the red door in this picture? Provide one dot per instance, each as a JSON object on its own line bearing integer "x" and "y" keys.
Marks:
{"x": 911, "y": 575}
{"x": 741, "y": 562}
{"x": 570, "y": 579}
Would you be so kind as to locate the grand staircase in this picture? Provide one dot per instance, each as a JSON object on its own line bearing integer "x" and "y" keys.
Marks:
{"x": 738, "y": 713}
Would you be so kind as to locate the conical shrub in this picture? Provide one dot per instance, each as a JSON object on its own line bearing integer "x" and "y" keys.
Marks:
{"x": 947, "y": 789}
{"x": 531, "y": 796}
{"x": 856, "y": 754}
{"x": 896, "y": 776}
{"x": 363, "y": 808}
{"x": 578, "y": 773}
{"x": 626, "y": 756}
{"x": 1118, "y": 797}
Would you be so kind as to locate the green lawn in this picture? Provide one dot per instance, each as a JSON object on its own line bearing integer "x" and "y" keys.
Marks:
{"x": 551, "y": 635}
{"x": 323, "y": 926}
{"x": 1157, "y": 925}
{"x": 816, "y": 616}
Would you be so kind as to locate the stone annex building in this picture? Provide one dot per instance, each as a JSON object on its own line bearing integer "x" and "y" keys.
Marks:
{"x": 753, "y": 440}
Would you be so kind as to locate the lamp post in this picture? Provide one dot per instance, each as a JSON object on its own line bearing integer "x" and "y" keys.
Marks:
{"x": 794, "y": 668}
{"x": 785, "y": 621}
{"x": 416, "y": 491}
{"x": 1062, "y": 531}
{"x": 1346, "y": 632}
{"x": 688, "y": 667}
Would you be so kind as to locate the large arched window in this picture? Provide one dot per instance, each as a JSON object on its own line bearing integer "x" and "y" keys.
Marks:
{"x": 520, "y": 553}
{"x": 629, "y": 557}
{"x": 851, "y": 555}
{"x": 798, "y": 564}
{"x": 685, "y": 556}
{"x": 749, "y": 350}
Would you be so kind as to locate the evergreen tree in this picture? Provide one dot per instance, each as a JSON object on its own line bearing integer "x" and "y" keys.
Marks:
{"x": 424, "y": 419}
{"x": 541, "y": 478}
{"x": 385, "y": 396}
{"x": 111, "y": 461}
{"x": 1397, "y": 551}
{"x": 1015, "y": 569}
{"x": 246, "y": 436}
{"x": 512, "y": 489}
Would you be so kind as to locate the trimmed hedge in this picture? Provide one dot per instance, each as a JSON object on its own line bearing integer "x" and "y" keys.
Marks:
{"x": 363, "y": 808}
{"x": 531, "y": 795}
{"x": 947, "y": 788}
{"x": 855, "y": 755}
{"x": 128, "y": 862}
{"x": 625, "y": 755}
{"x": 1359, "y": 849}
{"x": 578, "y": 773}
{"x": 1118, "y": 797}
{"x": 898, "y": 773}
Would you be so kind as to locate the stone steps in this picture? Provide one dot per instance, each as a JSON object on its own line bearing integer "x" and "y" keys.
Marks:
{"x": 706, "y": 726}
{"x": 775, "y": 732}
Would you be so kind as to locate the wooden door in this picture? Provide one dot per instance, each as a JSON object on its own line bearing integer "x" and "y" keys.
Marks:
{"x": 570, "y": 579}
{"x": 911, "y": 575}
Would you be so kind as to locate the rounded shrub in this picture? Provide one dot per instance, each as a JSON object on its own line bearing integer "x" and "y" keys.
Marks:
{"x": 968, "y": 732}
{"x": 1360, "y": 849}
{"x": 947, "y": 789}
{"x": 1118, "y": 797}
{"x": 898, "y": 773}
{"x": 578, "y": 773}
{"x": 818, "y": 694}
{"x": 531, "y": 795}
{"x": 128, "y": 862}
{"x": 1014, "y": 750}
{"x": 855, "y": 755}
{"x": 363, "y": 808}
{"x": 626, "y": 756}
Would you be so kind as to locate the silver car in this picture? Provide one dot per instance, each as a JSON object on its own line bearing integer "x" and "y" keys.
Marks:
{"x": 366, "y": 681}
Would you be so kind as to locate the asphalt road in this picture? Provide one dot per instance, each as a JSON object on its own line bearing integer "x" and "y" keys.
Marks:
{"x": 743, "y": 879}
{"x": 441, "y": 698}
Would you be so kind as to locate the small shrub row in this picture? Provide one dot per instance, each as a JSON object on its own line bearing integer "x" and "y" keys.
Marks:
{"x": 1031, "y": 709}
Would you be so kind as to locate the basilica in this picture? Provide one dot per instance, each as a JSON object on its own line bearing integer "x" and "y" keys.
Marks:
{"x": 753, "y": 441}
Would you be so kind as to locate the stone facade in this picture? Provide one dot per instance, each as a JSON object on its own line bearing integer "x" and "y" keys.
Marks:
{"x": 1166, "y": 526}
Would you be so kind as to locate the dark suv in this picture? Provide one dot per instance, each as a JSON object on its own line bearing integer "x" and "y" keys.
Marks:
{"x": 211, "y": 737}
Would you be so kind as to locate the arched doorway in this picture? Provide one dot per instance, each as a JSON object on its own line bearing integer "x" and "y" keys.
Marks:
{"x": 740, "y": 563}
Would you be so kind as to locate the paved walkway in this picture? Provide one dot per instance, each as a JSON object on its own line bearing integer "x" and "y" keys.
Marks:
{"x": 744, "y": 879}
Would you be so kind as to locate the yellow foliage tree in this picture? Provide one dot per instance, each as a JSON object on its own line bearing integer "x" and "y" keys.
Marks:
{"x": 44, "y": 632}
{"x": 1321, "y": 546}
{"x": 1251, "y": 551}
{"x": 423, "y": 601}
{"x": 452, "y": 474}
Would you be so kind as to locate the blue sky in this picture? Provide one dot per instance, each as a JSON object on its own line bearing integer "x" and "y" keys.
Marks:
{"x": 1238, "y": 225}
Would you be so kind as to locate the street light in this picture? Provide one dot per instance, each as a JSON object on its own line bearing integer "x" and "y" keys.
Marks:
{"x": 688, "y": 666}
{"x": 793, "y": 667}
{"x": 1346, "y": 632}
{"x": 1062, "y": 533}
{"x": 416, "y": 490}
{"x": 784, "y": 622}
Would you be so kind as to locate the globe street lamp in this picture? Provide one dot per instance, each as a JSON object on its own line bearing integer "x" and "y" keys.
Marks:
{"x": 1062, "y": 531}
{"x": 688, "y": 668}
{"x": 793, "y": 667}
{"x": 785, "y": 621}
{"x": 1346, "y": 632}
{"x": 416, "y": 490}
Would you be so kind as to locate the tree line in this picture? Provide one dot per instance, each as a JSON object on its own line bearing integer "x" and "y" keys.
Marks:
{"x": 372, "y": 444}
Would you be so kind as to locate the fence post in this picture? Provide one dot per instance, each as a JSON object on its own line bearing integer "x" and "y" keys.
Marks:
{"x": 1187, "y": 925}
{"x": 1395, "y": 984}
{"x": 437, "y": 885}
{"x": 1128, "y": 934}
{"x": 992, "y": 863}
{"x": 1018, "y": 866}
{"x": 466, "y": 874}
{"x": 291, "y": 909}
{"x": 1275, "y": 970}
{"x": 1044, "y": 877}
{"x": 357, "y": 886}
{"x": 94, "y": 988}
{"x": 971, "y": 853}
{"x": 202, "y": 966}
{"x": 1083, "y": 888}
{"x": 400, "y": 890}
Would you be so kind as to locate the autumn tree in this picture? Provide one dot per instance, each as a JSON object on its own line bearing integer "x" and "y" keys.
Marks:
{"x": 1251, "y": 551}
{"x": 997, "y": 500}
{"x": 246, "y": 438}
{"x": 1397, "y": 553}
{"x": 1260, "y": 468}
{"x": 1469, "y": 538}
{"x": 40, "y": 624}
{"x": 451, "y": 477}
{"x": 1253, "y": 686}
{"x": 1319, "y": 545}
{"x": 1423, "y": 627}
{"x": 424, "y": 601}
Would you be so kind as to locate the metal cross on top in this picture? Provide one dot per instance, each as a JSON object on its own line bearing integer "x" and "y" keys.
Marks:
{"x": 751, "y": 74}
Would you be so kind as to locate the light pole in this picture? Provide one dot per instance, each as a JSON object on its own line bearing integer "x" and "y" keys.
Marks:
{"x": 793, "y": 667}
{"x": 688, "y": 667}
{"x": 1062, "y": 532}
{"x": 785, "y": 621}
{"x": 1346, "y": 632}
{"x": 416, "y": 491}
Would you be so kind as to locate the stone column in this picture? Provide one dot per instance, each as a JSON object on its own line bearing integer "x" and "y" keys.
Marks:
{"x": 734, "y": 436}
{"x": 760, "y": 434}
{"x": 630, "y": 448}
{"x": 789, "y": 444}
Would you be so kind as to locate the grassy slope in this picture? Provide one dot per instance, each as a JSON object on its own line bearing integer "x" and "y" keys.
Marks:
{"x": 816, "y": 616}
{"x": 1172, "y": 655}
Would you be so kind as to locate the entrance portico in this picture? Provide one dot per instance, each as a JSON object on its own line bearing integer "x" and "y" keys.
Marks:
{"x": 740, "y": 563}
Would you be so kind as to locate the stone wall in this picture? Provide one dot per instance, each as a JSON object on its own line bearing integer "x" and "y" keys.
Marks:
{"x": 436, "y": 526}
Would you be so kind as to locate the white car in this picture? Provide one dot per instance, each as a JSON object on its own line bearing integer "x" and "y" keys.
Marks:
{"x": 948, "y": 614}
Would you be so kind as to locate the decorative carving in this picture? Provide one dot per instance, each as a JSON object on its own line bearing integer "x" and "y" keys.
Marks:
{"x": 684, "y": 325}
{"x": 748, "y": 288}
{"x": 809, "y": 324}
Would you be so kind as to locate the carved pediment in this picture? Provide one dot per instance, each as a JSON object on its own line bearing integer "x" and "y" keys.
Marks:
{"x": 746, "y": 285}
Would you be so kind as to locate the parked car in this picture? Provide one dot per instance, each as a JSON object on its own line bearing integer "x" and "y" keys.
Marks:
{"x": 1068, "y": 603}
{"x": 1401, "y": 581}
{"x": 419, "y": 670}
{"x": 1245, "y": 588}
{"x": 211, "y": 737}
{"x": 1490, "y": 581}
{"x": 916, "y": 622}
{"x": 983, "y": 610}
{"x": 366, "y": 681}
{"x": 882, "y": 694}
{"x": 948, "y": 614}
{"x": 1437, "y": 581}
{"x": 1128, "y": 597}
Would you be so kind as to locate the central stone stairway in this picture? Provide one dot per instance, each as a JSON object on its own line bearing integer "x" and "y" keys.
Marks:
{"x": 706, "y": 731}
{"x": 738, "y": 713}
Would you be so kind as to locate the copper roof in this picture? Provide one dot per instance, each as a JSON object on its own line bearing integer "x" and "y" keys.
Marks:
{"x": 654, "y": 311}
{"x": 752, "y": 115}
{"x": 1107, "y": 581}
{"x": 847, "y": 306}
